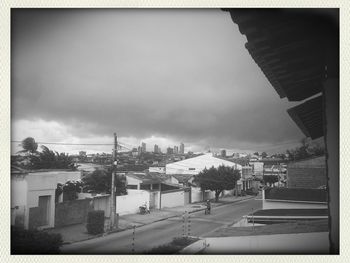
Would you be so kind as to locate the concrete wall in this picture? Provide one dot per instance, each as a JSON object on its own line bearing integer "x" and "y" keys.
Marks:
{"x": 227, "y": 193}
{"x": 196, "y": 194}
{"x": 72, "y": 212}
{"x": 209, "y": 195}
{"x": 306, "y": 177}
{"x": 303, "y": 243}
{"x": 292, "y": 205}
{"x": 129, "y": 204}
{"x": 173, "y": 199}
{"x": 102, "y": 202}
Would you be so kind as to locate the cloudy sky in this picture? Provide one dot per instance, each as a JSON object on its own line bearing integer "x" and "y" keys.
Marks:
{"x": 156, "y": 75}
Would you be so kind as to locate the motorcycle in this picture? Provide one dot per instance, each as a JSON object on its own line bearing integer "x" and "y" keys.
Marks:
{"x": 143, "y": 210}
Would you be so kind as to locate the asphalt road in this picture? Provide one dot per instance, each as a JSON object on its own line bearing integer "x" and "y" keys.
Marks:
{"x": 162, "y": 232}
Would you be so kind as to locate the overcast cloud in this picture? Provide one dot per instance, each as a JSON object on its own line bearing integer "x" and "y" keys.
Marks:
{"x": 162, "y": 76}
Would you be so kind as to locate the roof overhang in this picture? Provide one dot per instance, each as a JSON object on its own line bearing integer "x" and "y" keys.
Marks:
{"x": 309, "y": 117}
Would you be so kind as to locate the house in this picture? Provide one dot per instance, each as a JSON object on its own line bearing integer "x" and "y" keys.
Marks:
{"x": 197, "y": 164}
{"x": 157, "y": 190}
{"x": 309, "y": 173}
{"x": 258, "y": 169}
{"x": 33, "y": 196}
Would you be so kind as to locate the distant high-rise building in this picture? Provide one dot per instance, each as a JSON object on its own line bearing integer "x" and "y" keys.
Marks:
{"x": 156, "y": 148}
{"x": 143, "y": 147}
{"x": 176, "y": 149}
{"x": 182, "y": 148}
{"x": 223, "y": 153}
{"x": 139, "y": 150}
{"x": 169, "y": 150}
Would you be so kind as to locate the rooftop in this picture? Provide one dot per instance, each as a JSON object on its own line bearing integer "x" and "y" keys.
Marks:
{"x": 296, "y": 194}
{"x": 283, "y": 228}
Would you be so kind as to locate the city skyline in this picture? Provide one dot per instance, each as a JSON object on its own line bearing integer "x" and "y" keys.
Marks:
{"x": 193, "y": 56}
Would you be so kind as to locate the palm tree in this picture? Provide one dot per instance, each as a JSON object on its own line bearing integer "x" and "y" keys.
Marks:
{"x": 29, "y": 145}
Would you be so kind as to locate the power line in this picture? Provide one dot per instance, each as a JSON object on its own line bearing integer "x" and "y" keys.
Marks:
{"x": 64, "y": 143}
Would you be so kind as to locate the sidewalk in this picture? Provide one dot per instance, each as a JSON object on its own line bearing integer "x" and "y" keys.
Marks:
{"x": 78, "y": 232}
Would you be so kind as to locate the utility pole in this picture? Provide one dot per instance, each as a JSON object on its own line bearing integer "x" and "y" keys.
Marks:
{"x": 113, "y": 196}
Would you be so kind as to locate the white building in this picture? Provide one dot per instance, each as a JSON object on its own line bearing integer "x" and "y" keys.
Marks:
{"x": 197, "y": 164}
{"x": 33, "y": 196}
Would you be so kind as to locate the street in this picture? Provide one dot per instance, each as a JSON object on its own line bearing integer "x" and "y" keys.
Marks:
{"x": 162, "y": 232}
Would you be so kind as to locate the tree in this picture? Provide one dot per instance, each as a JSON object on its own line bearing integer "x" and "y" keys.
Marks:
{"x": 263, "y": 154}
{"x": 100, "y": 181}
{"x": 29, "y": 145}
{"x": 270, "y": 179}
{"x": 218, "y": 179}
{"x": 306, "y": 150}
{"x": 48, "y": 159}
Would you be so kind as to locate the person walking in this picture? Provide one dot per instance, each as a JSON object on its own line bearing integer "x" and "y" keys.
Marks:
{"x": 208, "y": 210}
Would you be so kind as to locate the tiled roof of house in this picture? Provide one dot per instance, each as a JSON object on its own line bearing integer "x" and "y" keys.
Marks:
{"x": 296, "y": 194}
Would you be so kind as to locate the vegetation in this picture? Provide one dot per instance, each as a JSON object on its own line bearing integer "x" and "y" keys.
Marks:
{"x": 218, "y": 179}
{"x": 70, "y": 190}
{"x": 95, "y": 222}
{"x": 34, "y": 242}
{"x": 270, "y": 179}
{"x": 29, "y": 145}
{"x": 306, "y": 150}
{"x": 48, "y": 159}
{"x": 100, "y": 181}
{"x": 174, "y": 246}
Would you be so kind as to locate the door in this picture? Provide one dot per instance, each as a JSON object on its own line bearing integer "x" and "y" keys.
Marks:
{"x": 44, "y": 210}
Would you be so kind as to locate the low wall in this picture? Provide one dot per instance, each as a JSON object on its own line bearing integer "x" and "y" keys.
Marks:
{"x": 102, "y": 202}
{"x": 292, "y": 205}
{"x": 209, "y": 195}
{"x": 196, "y": 195}
{"x": 302, "y": 243}
{"x": 173, "y": 199}
{"x": 72, "y": 212}
{"x": 227, "y": 193}
{"x": 130, "y": 203}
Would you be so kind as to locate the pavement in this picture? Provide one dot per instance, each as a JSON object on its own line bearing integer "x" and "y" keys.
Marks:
{"x": 78, "y": 232}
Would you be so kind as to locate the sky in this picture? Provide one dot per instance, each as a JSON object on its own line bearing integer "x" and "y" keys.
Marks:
{"x": 161, "y": 76}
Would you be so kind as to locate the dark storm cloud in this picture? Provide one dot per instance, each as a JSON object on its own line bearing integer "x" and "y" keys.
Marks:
{"x": 184, "y": 74}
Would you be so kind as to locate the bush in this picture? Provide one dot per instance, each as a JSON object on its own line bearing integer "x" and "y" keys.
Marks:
{"x": 34, "y": 242}
{"x": 95, "y": 222}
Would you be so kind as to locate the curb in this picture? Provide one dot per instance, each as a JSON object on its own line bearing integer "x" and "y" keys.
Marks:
{"x": 158, "y": 220}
